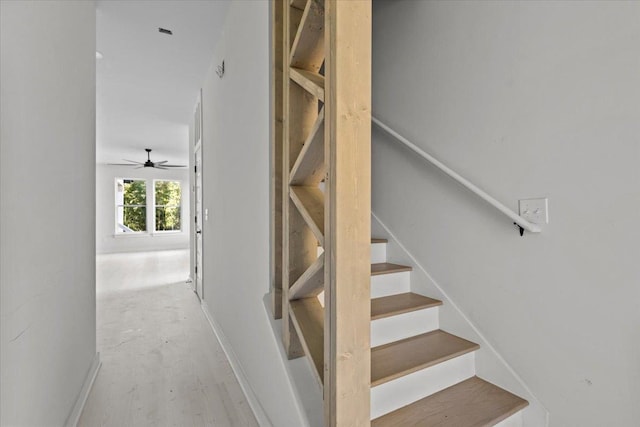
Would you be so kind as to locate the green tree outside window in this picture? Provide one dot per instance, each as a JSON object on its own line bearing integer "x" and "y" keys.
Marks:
{"x": 131, "y": 203}
{"x": 168, "y": 197}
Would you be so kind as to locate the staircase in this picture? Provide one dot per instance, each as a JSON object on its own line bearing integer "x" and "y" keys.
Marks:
{"x": 376, "y": 349}
{"x": 420, "y": 374}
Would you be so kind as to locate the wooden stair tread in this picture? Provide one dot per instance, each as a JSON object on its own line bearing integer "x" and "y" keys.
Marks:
{"x": 396, "y": 359}
{"x": 400, "y": 303}
{"x": 377, "y": 240}
{"x": 387, "y": 268}
{"x": 470, "y": 403}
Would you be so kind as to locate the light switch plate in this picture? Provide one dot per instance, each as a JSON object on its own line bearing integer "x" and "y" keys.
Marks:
{"x": 535, "y": 211}
{"x": 206, "y": 214}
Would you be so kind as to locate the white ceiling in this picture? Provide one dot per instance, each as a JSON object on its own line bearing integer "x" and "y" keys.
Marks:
{"x": 147, "y": 82}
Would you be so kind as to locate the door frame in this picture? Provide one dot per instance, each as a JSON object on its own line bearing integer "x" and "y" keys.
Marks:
{"x": 197, "y": 214}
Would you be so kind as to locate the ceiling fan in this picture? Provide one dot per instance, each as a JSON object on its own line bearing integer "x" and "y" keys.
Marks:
{"x": 148, "y": 164}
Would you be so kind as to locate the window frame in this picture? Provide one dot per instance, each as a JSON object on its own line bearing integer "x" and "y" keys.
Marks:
{"x": 155, "y": 206}
{"x": 117, "y": 231}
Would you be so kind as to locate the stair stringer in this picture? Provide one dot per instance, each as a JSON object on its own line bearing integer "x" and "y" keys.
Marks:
{"x": 490, "y": 365}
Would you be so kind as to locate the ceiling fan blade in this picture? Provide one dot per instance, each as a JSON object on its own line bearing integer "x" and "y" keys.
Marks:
{"x": 133, "y": 161}
{"x": 120, "y": 164}
{"x": 138, "y": 167}
{"x": 174, "y": 166}
{"x": 159, "y": 163}
{"x": 160, "y": 167}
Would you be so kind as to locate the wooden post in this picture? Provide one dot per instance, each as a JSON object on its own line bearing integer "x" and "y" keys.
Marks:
{"x": 347, "y": 212}
{"x": 299, "y": 245}
{"x": 277, "y": 115}
{"x": 326, "y": 87}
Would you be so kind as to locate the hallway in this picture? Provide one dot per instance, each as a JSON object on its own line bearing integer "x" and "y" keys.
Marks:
{"x": 161, "y": 362}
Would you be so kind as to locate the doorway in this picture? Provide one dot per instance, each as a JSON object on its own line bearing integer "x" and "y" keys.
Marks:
{"x": 198, "y": 219}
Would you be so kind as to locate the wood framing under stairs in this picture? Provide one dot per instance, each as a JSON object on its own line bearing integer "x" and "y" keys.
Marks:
{"x": 325, "y": 138}
{"x": 374, "y": 346}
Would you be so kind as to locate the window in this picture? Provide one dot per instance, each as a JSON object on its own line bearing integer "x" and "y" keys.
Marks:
{"x": 132, "y": 215}
{"x": 167, "y": 196}
{"x": 131, "y": 206}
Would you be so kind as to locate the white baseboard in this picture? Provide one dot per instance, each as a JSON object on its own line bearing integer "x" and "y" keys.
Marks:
{"x": 300, "y": 377}
{"x": 191, "y": 283}
{"x": 254, "y": 403}
{"x": 74, "y": 417}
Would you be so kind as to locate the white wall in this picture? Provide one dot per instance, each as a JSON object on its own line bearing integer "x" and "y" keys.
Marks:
{"x": 526, "y": 99}
{"x": 106, "y": 239}
{"x": 47, "y": 208}
{"x": 236, "y": 193}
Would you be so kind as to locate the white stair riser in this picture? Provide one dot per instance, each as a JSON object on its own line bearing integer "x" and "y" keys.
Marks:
{"x": 401, "y": 326}
{"x": 384, "y": 285}
{"x": 378, "y": 252}
{"x": 405, "y": 390}
{"x": 515, "y": 420}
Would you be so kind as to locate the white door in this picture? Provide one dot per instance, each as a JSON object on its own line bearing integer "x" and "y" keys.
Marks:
{"x": 198, "y": 219}
{"x": 197, "y": 193}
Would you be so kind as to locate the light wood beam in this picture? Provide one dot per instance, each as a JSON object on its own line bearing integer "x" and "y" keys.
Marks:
{"x": 308, "y": 319}
{"x": 299, "y": 248}
{"x": 311, "y": 82}
{"x": 309, "y": 168}
{"x": 295, "y": 17}
{"x": 298, "y": 4}
{"x": 310, "y": 203}
{"x": 311, "y": 283}
{"x": 307, "y": 51}
{"x": 348, "y": 211}
{"x": 277, "y": 146}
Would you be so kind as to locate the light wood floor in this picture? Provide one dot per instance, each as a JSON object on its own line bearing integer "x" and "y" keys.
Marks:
{"x": 161, "y": 363}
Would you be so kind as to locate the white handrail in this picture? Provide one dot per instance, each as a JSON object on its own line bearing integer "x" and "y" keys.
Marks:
{"x": 523, "y": 223}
